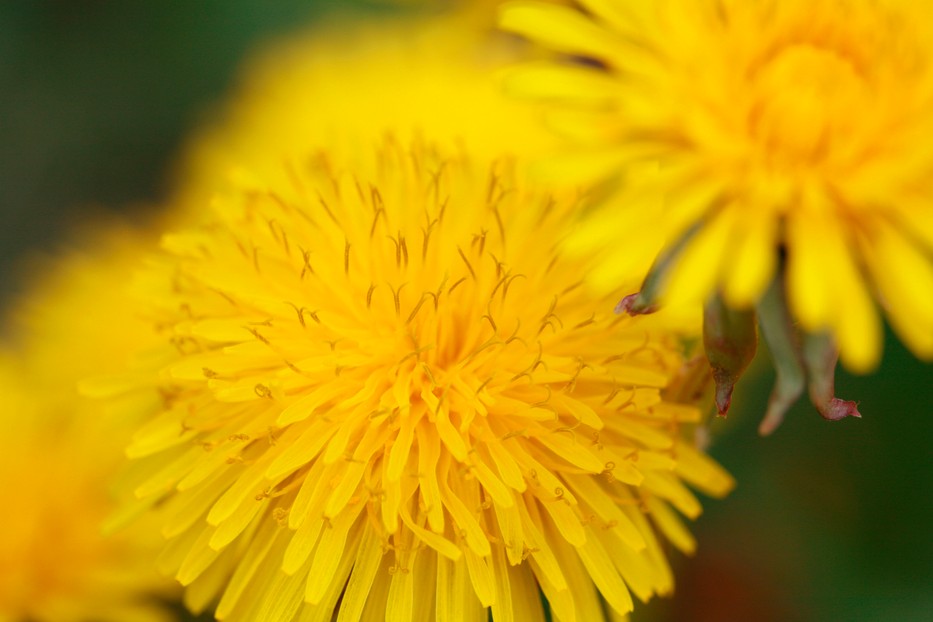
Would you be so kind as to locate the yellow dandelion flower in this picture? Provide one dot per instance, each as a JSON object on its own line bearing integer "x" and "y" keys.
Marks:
{"x": 388, "y": 395}
{"x": 58, "y": 450}
{"x": 760, "y": 138}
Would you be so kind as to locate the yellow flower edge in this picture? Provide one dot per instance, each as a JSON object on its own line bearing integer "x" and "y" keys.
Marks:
{"x": 794, "y": 128}
{"x": 387, "y": 393}
{"x": 56, "y": 564}
{"x": 54, "y": 327}
{"x": 61, "y": 452}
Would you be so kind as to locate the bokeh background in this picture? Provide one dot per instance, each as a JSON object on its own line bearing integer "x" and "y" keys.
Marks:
{"x": 830, "y": 521}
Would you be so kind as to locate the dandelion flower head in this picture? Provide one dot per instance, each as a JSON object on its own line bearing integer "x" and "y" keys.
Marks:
{"x": 388, "y": 394}
{"x": 762, "y": 137}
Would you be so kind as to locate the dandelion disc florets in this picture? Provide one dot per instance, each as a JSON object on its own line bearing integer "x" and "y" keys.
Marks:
{"x": 387, "y": 394}
{"x": 785, "y": 124}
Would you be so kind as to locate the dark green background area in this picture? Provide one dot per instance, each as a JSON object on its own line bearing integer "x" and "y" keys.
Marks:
{"x": 830, "y": 521}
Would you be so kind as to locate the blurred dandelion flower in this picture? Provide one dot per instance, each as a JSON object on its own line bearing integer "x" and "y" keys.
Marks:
{"x": 55, "y": 564}
{"x": 387, "y": 394}
{"x": 58, "y": 450}
{"x": 65, "y": 295}
{"x": 411, "y": 76}
{"x": 761, "y": 140}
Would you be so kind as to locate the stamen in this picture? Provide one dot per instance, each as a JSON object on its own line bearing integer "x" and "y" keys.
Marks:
{"x": 404, "y": 247}
{"x": 395, "y": 297}
{"x": 426, "y": 238}
{"x": 379, "y": 212}
{"x": 467, "y": 262}
{"x": 414, "y": 311}
{"x": 398, "y": 251}
{"x": 454, "y": 286}
{"x": 480, "y": 239}
{"x": 586, "y": 322}
{"x": 306, "y": 268}
{"x": 255, "y": 333}
{"x": 327, "y": 207}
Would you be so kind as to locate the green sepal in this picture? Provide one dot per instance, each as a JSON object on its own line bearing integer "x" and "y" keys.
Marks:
{"x": 778, "y": 332}
{"x": 820, "y": 355}
{"x": 730, "y": 338}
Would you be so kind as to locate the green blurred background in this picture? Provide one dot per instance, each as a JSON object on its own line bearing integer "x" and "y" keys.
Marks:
{"x": 830, "y": 521}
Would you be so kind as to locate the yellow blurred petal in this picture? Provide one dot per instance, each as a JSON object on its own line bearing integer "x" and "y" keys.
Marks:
{"x": 857, "y": 326}
{"x": 626, "y": 17}
{"x": 917, "y": 219}
{"x": 696, "y": 271}
{"x": 827, "y": 291}
{"x": 575, "y": 83}
{"x": 703, "y": 472}
{"x": 589, "y": 125}
{"x": 668, "y": 487}
{"x": 579, "y": 169}
{"x": 671, "y": 526}
{"x": 559, "y": 27}
{"x": 904, "y": 277}
{"x": 752, "y": 261}
{"x": 808, "y": 280}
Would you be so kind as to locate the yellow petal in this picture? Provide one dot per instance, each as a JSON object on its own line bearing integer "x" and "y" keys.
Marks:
{"x": 752, "y": 260}
{"x": 573, "y": 83}
{"x": 400, "y": 603}
{"x": 904, "y": 278}
{"x": 561, "y": 28}
{"x": 580, "y": 168}
{"x": 671, "y": 526}
{"x": 856, "y": 324}
{"x": 807, "y": 272}
{"x": 702, "y": 471}
{"x": 694, "y": 275}
{"x": 604, "y": 575}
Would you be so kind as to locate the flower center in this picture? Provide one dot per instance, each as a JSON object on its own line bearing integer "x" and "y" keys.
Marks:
{"x": 804, "y": 97}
